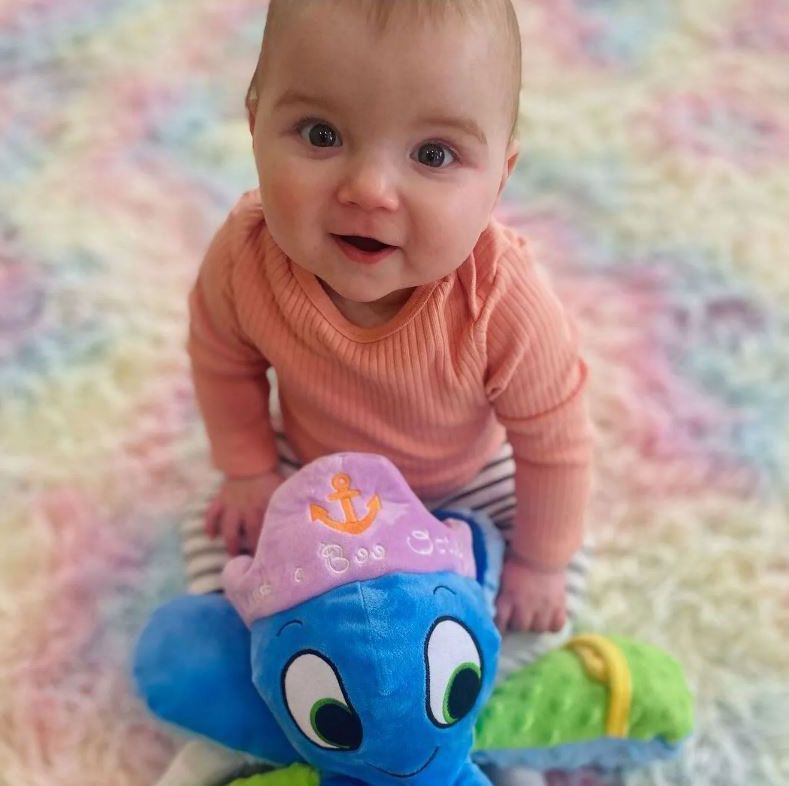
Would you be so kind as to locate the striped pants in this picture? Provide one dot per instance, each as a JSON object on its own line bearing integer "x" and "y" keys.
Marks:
{"x": 492, "y": 492}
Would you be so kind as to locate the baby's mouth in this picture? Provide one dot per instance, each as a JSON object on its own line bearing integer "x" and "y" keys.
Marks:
{"x": 369, "y": 244}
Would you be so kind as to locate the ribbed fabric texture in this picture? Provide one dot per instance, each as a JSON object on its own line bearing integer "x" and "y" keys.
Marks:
{"x": 481, "y": 354}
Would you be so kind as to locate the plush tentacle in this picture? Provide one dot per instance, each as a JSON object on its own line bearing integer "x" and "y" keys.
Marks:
{"x": 192, "y": 668}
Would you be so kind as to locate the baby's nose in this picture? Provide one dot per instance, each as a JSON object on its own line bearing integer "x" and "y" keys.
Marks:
{"x": 369, "y": 185}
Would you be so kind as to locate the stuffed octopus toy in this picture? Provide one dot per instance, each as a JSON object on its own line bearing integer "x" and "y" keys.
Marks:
{"x": 357, "y": 647}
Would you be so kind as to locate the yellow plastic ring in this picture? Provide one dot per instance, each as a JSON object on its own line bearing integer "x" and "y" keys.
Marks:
{"x": 604, "y": 662}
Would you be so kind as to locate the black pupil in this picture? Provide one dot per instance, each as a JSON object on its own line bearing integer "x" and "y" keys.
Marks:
{"x": 432, "y": 155}
{"x": 463, "y": 693}
{"x": 339, "y": 726}
{"x": 322, "y": 135}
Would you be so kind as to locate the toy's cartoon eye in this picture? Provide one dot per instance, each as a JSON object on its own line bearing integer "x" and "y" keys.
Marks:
{"x": 316, "y": 701}
{"x": 454, "y": 672}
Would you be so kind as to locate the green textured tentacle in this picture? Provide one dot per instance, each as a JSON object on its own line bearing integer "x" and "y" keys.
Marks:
{"x": 554, "y": 701}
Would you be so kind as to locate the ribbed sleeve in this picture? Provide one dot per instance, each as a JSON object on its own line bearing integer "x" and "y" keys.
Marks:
{"x": 229, "y": 372}
{"x": 535, "y": 382}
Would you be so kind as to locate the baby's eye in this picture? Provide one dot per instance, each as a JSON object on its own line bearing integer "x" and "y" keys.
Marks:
{"x": 318, "y": 133}
{"x": 434, "y": 155}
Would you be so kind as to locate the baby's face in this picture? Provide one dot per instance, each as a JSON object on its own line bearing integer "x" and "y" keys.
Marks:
{"x": 401, "y": 137}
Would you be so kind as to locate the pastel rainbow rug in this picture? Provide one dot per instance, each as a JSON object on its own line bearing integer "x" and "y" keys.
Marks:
{"x": 655, "y": 185}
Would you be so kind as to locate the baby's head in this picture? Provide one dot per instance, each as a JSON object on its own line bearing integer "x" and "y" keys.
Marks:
{"x": 387, "y": 120}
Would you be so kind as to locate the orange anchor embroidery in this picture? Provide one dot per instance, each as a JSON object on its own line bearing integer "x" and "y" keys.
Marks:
{"x": 344, "y": 494}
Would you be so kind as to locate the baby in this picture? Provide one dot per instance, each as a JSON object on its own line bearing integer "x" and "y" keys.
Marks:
{"x": 399, "y": 316}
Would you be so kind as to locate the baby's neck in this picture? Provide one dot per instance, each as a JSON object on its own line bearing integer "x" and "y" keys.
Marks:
{"x": 368, "y": 315}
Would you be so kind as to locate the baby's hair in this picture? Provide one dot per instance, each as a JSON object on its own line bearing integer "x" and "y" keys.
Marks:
{"x": 499, "y": 13}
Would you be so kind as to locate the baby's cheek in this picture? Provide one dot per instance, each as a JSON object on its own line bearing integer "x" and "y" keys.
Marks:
{"x": 450, "y": 228}
{"x": 294, "y": 212}
{"x": 285, "y": 191}
{"x": 289, "y": 206}
{"x": 460, "y": 211}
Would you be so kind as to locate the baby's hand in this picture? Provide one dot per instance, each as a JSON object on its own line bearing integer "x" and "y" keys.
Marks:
{"x": 237, "y": 511}
{"x": 530, "y": 598}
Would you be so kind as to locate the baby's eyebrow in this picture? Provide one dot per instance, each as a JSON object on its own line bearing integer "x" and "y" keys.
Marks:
{"x": 292, "y": 96}
{"x": 465, "y": 124}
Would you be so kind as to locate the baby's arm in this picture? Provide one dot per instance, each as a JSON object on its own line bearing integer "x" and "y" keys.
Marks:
{"x": 536, "y": 384}
{"x": 552, "y": 477}
{"x": 232, "y": 390}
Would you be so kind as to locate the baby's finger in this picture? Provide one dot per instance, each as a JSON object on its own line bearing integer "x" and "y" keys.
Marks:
{"x": 541, "y": 620}
{"x": 503, "y": 612}
{"x": 258, "y": 521}
{"x": 558, "y": 618}
{"x": 522, "y": 618}
{"x": 212, "y": 520}
{"x": 252, "y": 526}
{"x": 231, "y": 532}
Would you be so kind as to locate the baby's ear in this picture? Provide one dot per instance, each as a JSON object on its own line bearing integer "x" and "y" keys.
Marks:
{"x": 251, "y": 103}
{"x": 513, "y": 151}
{"x": 251, "y": 117}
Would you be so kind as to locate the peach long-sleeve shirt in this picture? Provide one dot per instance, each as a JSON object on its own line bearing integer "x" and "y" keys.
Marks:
{"x": 482, "y": 354}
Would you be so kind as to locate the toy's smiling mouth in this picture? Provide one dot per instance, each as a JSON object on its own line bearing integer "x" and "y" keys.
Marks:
{"x": 408, "y": 774}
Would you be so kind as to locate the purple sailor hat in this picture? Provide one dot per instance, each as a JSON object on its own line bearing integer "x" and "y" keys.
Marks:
{"x": 342, "y": 518}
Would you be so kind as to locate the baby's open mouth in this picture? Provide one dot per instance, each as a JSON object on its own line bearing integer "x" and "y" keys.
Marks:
{"x": 364, "y": 243}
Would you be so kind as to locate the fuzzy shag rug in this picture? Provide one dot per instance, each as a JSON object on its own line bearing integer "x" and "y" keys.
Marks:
{"x": 654, "y": 182}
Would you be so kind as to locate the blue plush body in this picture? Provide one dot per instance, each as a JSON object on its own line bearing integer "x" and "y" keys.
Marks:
{"x": 356, "y": 682}
{"x": 389, "y": 664}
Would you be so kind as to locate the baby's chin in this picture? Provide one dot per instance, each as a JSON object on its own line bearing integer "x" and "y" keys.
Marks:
{"x": 359, "y": 294}
{"x": 367, "y": 292}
